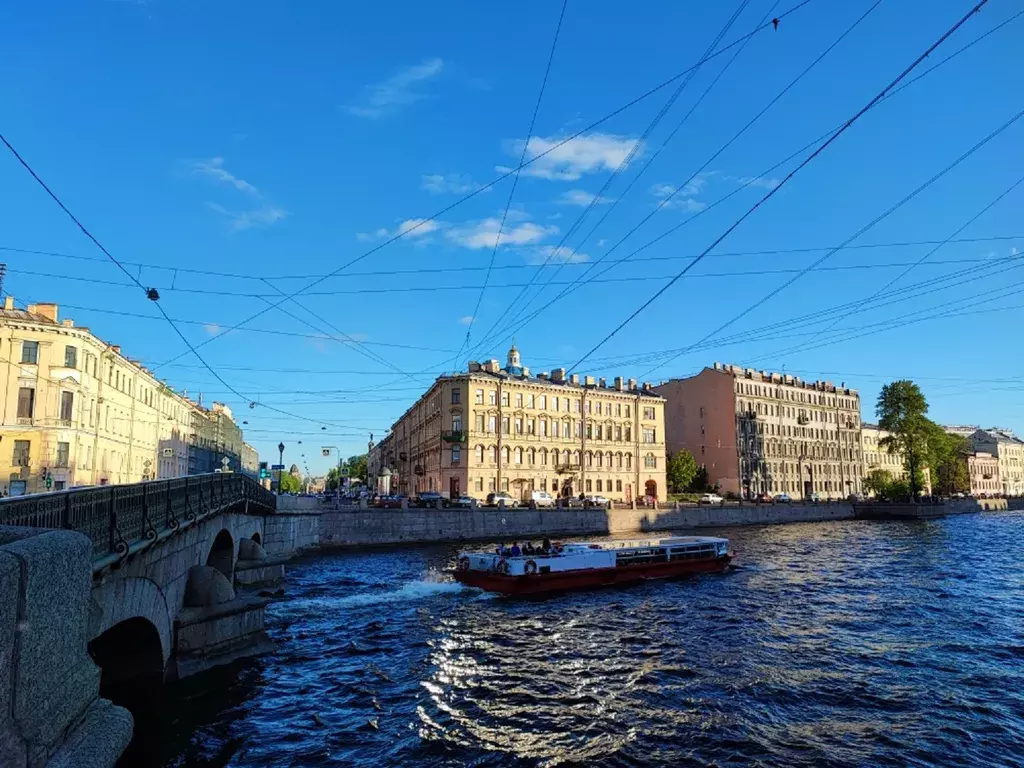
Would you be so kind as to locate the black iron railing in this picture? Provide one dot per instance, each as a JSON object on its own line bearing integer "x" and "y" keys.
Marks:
{"x": 116, "y": 517}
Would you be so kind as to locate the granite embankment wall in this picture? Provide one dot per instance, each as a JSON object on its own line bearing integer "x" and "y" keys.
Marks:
{"x": 289, "y": 532}
{"x": 369, "y": 527}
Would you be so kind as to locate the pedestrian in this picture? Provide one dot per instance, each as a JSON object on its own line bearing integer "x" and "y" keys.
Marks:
{"x": 515, "y": 551}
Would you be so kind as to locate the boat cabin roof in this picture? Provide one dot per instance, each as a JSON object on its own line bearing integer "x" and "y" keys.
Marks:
{"x": 685, "y": 542}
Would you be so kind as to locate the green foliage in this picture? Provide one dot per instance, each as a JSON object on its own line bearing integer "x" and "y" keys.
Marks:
{"x": 947, "y": 456}
{"x": 681, "y": 471}
{"x": 357, "y": 466}
{"x": 901, "y": 410}
{"x": 331, "y": 481}
{"x": 700, "y": 483}
{"x": 897, "y": 490}
{"x": 290, "y": 483}
{"x": 877, "y": 481}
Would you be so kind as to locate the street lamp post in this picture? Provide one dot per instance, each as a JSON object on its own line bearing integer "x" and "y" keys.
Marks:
{"x": 280, "y": 463}
{"x": 326, "y": 451}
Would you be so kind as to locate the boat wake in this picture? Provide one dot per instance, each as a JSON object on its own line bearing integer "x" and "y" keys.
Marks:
{"x": 414, "y": 590}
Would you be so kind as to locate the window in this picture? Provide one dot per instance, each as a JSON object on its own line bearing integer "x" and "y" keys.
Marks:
{"x": 626, "y": 408}
{"x": 589, "y": 485}
{"x": 490, "y": 485}
{"x": 519, "y": 399}
{"x": 456, "y": 451}
{"x": 579, "y": 429}
{"x": 505, "y": 399}
{"x": 618, "y": 433}
{"x": 543, "y": 456}
{"x": 650, "y": 436}
{"x": 618, "y": 409}
{"x": 648, "y": 413}
{"x": 479, "y": 454}
{"x": 599, "y": 484}
{"x": 63, "y": 449}
{"x": 505, "y": 425}
{"x": 480, "y": 397}
{"x": 506, "y": 455}
{"x": 480, "y": 484}
{"x": 529, "y": 401}
{"x": 590, "y": 431}
{"x": 543, "y": 427}
{"x": 600, "y": 461}
{"x": 629, "y": 461}
{"x": 629, "y": 433}
{"x": 554, "y": 428}
{"x": 479, "y": 422}
{"x": 554, "y": 486}
{"x": 70, "y": 357}
{"x": 618, "y": 485}
{"x": 30, "y": 352}
{"x": 492, "y": 423}
{"x": 492, "y": 397}
{"x": 543, "y": 404}
{"x": 600, "y": 433}
{"x": 456, "y": 396}
{"x": 456, "y": 422}
{"x": 519, "y": 455}
{"x": 519, "y": 426}
{"x": 26, "y": 402}
{"x": 590, "y": 406}
{"x": 579, "y": 407}
{"x": 21, "y": 450}
{"x": 554, "y": 403}
{"x": 598, "y": 407}
{"x": 493, "y": 452}
{"x": 531, "y": 456}
{"x": 650, "y": 461}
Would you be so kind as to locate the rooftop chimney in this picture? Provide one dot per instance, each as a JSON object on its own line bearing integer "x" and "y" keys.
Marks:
{"x": 618, "y": 383}
{"x": 47, "y": 310}
{"x": 68, "y": 322}
{"x": 588, "y": 381}
{"x": 632, "y": 385}
{"x": 115, "y": 348}
{"x": 558, "y": 375}
{"x": 574, "y": 378}
{"x": 8, "y": 302}
{"x": 543, "y": 375}
{"x": 602, "y": 383}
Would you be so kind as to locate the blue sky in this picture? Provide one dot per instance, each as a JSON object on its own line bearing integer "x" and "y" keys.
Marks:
{"x": 280, "y": 141}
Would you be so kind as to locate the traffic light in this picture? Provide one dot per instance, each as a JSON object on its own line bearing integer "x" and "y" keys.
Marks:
{"x": 264, "y": 472}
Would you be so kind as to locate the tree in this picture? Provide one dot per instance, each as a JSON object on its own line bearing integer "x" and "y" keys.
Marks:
{"x": 357, "y": 466}
{"x": 681, "y": 471}
{"x": 290, "y": 483}
{"x": 701, "y": 481}
{"x": 332, "y": 481}
{"x": 901, "y": 410}
{"x": 877, "y": 481}
{"x": 947, "y": 457}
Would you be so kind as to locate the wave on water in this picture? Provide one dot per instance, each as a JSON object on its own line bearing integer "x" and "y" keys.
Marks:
{"x": 413, "y": 590}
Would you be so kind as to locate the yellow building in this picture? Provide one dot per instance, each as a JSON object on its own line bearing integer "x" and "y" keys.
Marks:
{"x": 76, "y": 411}
{"x": 503, "y": 429}
{"x": 877, "y": 456}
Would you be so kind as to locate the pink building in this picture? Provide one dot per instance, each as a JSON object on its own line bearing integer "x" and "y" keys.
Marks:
{"x": 760, "y": 432}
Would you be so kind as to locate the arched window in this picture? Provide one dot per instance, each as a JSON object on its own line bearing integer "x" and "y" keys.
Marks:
{"x": 480, "y": 454}
{"x": 629, "y": 461}
{"x": 600, "y": 461}
{"x": 608, "y": 461}
{"x": 543, "y": 456}
{"x": 494, "y": 453}
{"x": 506, "y": 454}
{"x": 565, "y": 456}
{"x": 650, "y": 461}
{"x": 590, "y": 459}
{"x": 519, "y": 455}
{"x": 576, "y": 458}
{"x": 531, "y": 456}
{"x": 618, "y": 460}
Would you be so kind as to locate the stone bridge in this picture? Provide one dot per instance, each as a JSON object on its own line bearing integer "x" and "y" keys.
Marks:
{"x": 148, "y": 591}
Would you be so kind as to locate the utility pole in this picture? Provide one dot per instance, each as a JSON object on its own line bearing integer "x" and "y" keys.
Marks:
{"x": 280, "y": 463}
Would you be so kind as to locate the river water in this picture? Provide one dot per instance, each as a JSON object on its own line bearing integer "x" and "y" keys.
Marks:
{"x": 842, "y": 643}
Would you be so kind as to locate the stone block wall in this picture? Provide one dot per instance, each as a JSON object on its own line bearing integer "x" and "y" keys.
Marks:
{"x": 285, "y": 533}
{"x": 49, "y": 687}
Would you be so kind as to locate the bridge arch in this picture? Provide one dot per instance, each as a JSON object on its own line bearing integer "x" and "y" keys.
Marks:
{"x": 257, "y": 538}
{"x": 118, "y": 601}
{"x": 131, "y": 661}
{"x": 222, "y": 553}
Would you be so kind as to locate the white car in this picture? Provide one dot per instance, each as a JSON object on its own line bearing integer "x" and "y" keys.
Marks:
{"x": 710, "y": 498}
{"x": 541, "y": 499}
{"x": 595, "y": 501}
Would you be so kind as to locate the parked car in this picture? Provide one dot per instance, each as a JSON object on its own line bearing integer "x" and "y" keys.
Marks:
{"x": 595, "y": 501}
{"x": 388, "y": 502}
{"x": 542, "y": 499}
{"x": 763, "y": 498}
{"x": 710, "y": 498}
{"x": 463, "y": 502}
{"x": 494, "y": 498}
{"x": 782, "y": 498}
{"x": 815, "y": 498}
{"x": 430, "y": 499}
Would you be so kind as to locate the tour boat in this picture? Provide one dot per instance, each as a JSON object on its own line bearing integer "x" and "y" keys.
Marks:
{"x": 584, "y": 565}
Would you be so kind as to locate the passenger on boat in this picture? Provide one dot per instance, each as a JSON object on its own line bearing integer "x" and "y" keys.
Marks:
{"x": 546, "y": 546}
{"x": 515, "y": 551}
{"x": 528, "y": 548}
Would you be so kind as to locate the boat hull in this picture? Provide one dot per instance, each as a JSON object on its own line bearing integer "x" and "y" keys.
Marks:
{"x": 566, "y": 581}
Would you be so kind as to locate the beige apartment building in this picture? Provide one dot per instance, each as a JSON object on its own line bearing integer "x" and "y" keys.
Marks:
{"x": 76, "y": 411}
{"x": 1009, "y": 452}
{"x": 761, "y": 432}
{"x": 983, "y": 469}
{"x": 504, "y": 429}
{"x": 877, "y": 456}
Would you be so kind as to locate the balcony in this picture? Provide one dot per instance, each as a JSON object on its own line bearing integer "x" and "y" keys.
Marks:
{"x": 562, "y": 469}
{"x": 454, "y": 436}
{"x": 418, "y": 469}
{"x": 802, "y": 419}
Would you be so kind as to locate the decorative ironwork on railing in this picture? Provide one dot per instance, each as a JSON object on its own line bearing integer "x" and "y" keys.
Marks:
{"x": 116, "y": 517}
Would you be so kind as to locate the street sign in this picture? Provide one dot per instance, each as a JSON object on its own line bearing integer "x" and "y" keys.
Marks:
{"x": 277, "y": 466}
{"x": 224, "y": 462}
{"x": 168, "y": 453}
{"x": 325, "y": 451}
{"x": 345, "y": 471}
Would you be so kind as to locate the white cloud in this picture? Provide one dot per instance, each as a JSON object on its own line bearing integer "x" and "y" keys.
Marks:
{"x": 455, "y": 183}
{"x": 582, "y": 198}
{"x": 397, "y": 91}
{"x": 764, "y": 182}
{"x": 214, "y": 169}
{"x": 466, "y": 319}
{"x": 586, "y": 154}
{"x": 484, "y": 234}
{"x": 547, "y": 253}
{"x": 683, "y": 198}
{"x": 259, "y": 217}
{"x": 409, "y": 228}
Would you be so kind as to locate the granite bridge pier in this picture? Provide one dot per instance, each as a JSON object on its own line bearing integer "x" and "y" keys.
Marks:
{"x": 105, "y": 593}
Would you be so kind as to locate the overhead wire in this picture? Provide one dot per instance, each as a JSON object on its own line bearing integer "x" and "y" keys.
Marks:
{"x": 881, "y": 217}
{"x": 515, "y": 179}
{"x": 785, "y": 180}
{"x": 750, "y": 181}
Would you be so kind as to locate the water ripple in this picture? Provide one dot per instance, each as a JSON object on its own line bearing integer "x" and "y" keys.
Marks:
{"x": 844, "y": 644}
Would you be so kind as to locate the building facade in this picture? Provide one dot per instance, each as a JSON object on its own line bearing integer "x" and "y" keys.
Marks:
{"x": 503, "y": 429}
{"x": 759, "y": 432}
{"x": 876, "y": 456}
{"x": 1009, "y": 451}
{"x": 76, "y": 411}
{"x": 983, "y": 469}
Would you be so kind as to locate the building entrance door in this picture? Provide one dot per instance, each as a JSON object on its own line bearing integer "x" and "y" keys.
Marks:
{"x": 453, "y": 488}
